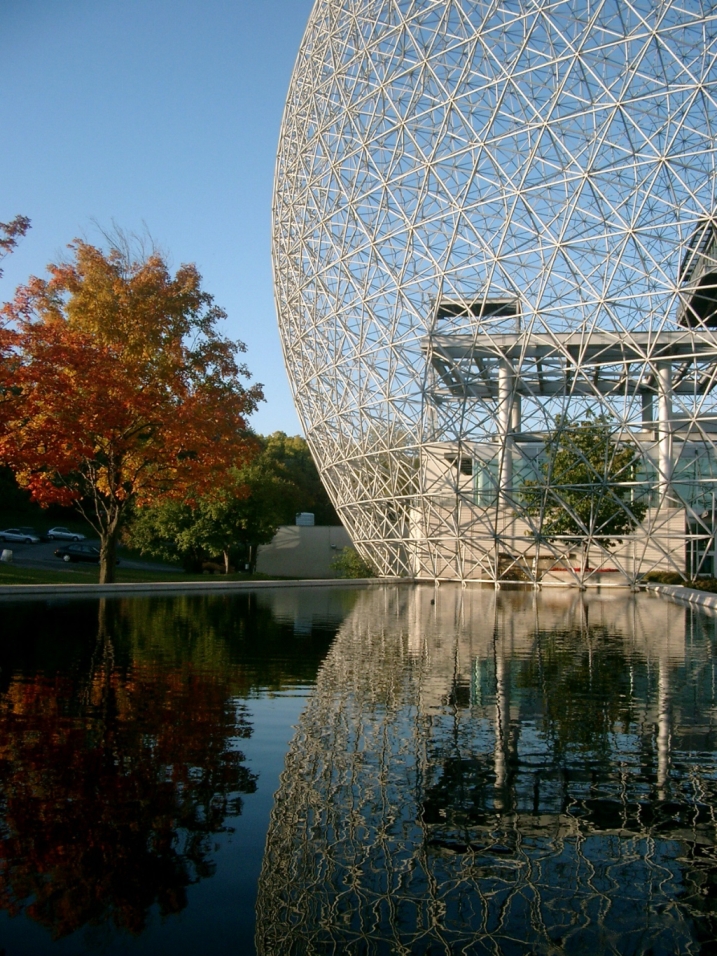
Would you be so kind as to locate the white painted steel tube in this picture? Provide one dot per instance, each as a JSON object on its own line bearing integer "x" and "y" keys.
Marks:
{"x": 663, "y": 726}
{"x": 664, "y": 413}
{"x": 505, "y": 423}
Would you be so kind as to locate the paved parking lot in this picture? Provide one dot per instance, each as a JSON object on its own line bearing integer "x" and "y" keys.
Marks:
{"x": 43, "y": 556}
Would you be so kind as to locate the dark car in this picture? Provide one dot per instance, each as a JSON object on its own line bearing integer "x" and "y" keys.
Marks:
{"x": 79, "y": 552}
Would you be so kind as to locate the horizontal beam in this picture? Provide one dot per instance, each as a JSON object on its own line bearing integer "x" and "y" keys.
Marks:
{"x": 583, "y": 348}
{"x": 531, "y": 388}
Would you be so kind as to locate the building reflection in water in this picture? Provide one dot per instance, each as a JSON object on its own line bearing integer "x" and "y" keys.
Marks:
{"x": 504, "y": 773}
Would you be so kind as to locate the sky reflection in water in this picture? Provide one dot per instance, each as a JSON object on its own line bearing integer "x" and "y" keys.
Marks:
{"x": 491, "y": 773}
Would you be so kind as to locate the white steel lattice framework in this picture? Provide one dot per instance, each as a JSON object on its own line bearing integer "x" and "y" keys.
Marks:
{"x": 491, "y": 221}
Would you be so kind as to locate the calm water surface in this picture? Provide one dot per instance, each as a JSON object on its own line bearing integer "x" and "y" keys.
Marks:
{"x": 399, "y": 770}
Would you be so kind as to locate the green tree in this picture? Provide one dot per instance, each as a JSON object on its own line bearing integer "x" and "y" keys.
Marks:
{"x": 232, "y": 520}
{"x": 173, "y": 530}
{"x": 252, "y": 518}
{"x": 292, "y": 458}
{"x": 13, "y": 498}
{"x": 587, "y": 486}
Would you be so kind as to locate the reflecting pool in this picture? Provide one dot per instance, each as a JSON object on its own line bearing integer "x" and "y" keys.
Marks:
{"x": 141, "y": 742}
{"x": 500, "y": 773}
{"x": 396, "y": 770}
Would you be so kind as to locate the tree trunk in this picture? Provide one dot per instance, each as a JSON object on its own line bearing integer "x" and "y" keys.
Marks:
{"x": 103, "y": 657}
{"x": 252, "y": 558}
{"x": 226, "y": 562}
{"x": 108, "y": 552}
{"x": 104, "y": 651}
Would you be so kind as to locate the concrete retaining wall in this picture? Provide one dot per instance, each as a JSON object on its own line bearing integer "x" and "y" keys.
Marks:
{"x": 683, "y": 595}
{"x": 303, "y": 552}
{"x": 181, "y": 587}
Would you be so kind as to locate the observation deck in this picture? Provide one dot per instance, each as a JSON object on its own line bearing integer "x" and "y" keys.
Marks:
{"x": 656, "y": 383}
{"x": 550, "y": 364}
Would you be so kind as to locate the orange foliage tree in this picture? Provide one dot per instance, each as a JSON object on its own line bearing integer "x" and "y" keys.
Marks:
{"x": 123, "y": 391}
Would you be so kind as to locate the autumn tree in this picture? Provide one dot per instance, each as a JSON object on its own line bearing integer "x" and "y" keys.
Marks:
{"x": 114, "y": 785}
{"x": 10, "y": 233}
{"x": 124, "y": 391}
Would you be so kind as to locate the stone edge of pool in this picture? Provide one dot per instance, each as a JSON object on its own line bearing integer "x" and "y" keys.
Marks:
{"x": 674, "y": 592}
{"x": 684, "y": 595}
{"x": 186, "y": 587}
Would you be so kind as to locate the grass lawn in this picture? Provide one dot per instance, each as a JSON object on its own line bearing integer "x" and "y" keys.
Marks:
{"x": 89, "y": 574}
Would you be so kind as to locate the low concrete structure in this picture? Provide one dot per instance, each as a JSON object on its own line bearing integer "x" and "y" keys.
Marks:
{"x": 685, "y": 595}
{"x": 303, "y": 552}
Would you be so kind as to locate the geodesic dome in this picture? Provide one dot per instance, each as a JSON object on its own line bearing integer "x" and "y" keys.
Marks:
{"x": 492, "y": 219}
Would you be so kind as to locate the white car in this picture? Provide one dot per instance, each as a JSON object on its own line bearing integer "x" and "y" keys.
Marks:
{"x": 26, "y": 535}
{"x": 63, "y": 534}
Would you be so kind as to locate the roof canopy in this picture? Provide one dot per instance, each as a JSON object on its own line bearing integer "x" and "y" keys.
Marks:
{"x": 547, "y": 364}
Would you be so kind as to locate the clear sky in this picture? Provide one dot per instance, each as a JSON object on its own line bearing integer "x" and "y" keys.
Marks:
{"x": 156, "y": 113}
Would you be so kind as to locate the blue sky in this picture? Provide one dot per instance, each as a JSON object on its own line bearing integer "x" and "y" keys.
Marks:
{"x": 162, "y": 113}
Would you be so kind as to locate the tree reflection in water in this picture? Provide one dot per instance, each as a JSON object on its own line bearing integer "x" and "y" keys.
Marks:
{"x": 120, "y": 747}
{"x": 113, "y": 782}
{"x": 500, "y": 773}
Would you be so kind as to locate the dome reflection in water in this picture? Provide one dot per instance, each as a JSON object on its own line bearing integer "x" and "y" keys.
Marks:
{"x": 503, "y": 773}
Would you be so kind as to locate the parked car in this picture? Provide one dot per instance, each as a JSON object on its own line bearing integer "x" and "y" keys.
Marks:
{"x": 64, "y": 534}
{"x": 89, "y": 551}
{"x": 26, "y": 535}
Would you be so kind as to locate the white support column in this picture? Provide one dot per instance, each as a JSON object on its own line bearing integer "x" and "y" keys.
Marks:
{"x": 505, "y": 423}
{"x": 516, "y": 415}
{"x": 664, "y": 416}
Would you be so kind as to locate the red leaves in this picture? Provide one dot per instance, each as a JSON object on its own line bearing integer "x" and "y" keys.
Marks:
{"x": 117, "y": 385}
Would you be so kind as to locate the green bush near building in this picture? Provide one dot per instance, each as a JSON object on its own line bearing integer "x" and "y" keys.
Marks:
{"x": 349, "y": 564}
